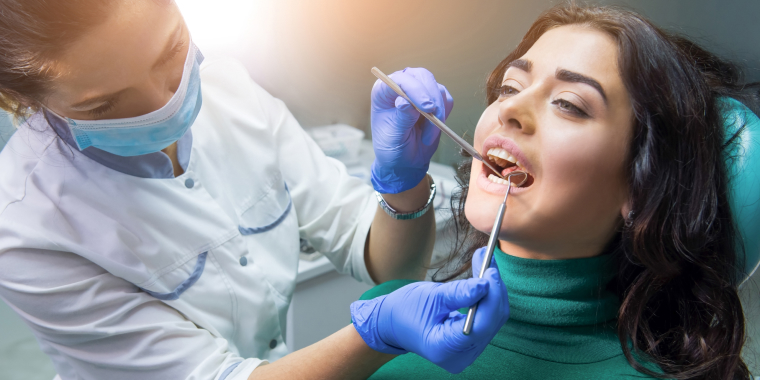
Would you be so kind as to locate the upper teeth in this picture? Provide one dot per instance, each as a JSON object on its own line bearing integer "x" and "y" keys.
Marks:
{"x": 501, "y": 156}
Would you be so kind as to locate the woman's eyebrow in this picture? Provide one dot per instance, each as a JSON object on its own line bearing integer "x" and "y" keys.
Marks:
{"x": 522, "y": 64}
{"x": 569, "y": 76}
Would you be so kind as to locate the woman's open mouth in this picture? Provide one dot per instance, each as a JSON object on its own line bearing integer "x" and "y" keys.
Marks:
{"x": 506, "y": 163}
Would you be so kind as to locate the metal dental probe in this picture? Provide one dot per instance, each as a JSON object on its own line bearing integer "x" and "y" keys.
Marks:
{"x": 492, "y": 241}
{"x": 438, "y": 123}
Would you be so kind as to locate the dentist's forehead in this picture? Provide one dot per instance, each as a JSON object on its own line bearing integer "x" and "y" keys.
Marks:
{"x": 119, "y": 50}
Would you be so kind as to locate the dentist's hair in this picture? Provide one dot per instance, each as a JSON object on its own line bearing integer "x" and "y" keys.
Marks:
{"x": 677, "y": 274}
{"x": 32, "y": 34}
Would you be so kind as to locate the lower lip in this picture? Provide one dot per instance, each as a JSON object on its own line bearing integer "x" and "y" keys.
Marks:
{"x": 496, "y": 188}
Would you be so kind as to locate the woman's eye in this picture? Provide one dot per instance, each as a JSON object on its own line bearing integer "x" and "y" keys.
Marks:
{"x": 570, "y": 108}
{"x": 103, "y": 109}
{"x": 505, "y": 91}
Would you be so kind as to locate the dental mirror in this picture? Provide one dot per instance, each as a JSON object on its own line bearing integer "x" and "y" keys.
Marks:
{"x": 492, "y": 241}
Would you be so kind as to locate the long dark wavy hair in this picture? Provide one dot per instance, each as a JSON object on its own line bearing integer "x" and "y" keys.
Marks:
{"x": 676, "y": 258}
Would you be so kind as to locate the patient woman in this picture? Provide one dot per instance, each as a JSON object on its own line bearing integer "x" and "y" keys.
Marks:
{"x": 618, "y": 251}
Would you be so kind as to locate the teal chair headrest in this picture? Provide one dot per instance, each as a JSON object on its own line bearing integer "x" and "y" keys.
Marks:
{"x": 743, "y": 161}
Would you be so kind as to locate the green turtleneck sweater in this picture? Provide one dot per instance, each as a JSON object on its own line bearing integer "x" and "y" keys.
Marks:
{"x": 562, "y": 325}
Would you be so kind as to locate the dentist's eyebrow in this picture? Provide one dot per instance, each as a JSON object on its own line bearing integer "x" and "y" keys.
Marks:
{"x": 170, "y": 47}
{"x": 573, "y": 77}
{"x": 522, "y": 64}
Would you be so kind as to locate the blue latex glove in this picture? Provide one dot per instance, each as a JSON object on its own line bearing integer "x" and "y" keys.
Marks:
{"x": 404, "y": 141}
{"x": 423, "y": 318}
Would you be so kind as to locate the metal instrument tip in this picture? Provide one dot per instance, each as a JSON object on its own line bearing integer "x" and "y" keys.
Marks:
{"x": 509, "y": 181}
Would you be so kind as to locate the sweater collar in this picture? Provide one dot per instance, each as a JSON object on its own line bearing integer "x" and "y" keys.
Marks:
{"x": 559, "y": 293}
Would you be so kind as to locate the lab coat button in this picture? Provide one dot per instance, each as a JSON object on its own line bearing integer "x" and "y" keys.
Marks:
{"x": 243, "y": 261}
{"x": 189, "y": 183}
{"x": 273, "y": 344}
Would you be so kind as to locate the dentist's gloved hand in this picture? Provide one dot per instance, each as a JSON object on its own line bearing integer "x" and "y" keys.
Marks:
{"x": 404, "y": 141}
{"x": 423, "y": 318}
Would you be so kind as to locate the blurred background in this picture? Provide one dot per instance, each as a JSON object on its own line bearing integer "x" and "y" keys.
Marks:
{"x": 316, "y": 56}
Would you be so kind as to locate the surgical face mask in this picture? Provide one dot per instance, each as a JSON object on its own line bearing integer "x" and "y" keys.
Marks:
{"x": 151, "y": 132}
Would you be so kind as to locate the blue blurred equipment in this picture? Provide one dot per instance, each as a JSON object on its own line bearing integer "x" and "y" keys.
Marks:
{"x": 423, "y": 318}
{"x": 403, "y": 142}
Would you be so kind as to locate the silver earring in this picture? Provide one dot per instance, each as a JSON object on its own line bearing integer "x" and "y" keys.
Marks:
{"x": 629, "y": 219}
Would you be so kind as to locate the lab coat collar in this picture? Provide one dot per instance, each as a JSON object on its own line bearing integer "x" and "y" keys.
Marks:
{"x": 152, "y": 165}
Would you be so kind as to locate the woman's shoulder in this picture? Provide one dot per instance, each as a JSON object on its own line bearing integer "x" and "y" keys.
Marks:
{"x": 498, "y": 363}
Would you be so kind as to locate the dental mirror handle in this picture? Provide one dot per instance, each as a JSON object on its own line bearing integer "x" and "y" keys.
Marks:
{"x": 433, "y": 119}
{"x": 492, "y": 241}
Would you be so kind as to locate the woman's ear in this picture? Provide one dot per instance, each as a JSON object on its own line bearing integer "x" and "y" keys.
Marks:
{"x": 626, "y": 210}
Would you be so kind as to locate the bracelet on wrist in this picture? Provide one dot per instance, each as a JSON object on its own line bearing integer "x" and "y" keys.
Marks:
{"x": 408, "y": 215}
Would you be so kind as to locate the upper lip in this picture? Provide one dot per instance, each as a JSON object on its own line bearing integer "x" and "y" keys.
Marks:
{"x": 496, "y": 141}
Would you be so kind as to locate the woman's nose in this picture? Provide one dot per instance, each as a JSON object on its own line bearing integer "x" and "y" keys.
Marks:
{"x": 519, "y": 112}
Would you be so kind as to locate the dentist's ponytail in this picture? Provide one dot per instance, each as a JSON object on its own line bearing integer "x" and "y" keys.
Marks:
{"x": 32, "y": 33}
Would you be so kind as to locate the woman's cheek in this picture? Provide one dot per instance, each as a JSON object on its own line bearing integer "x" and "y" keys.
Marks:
{"x": 584, "y": 188}
{"x": 477, "y": 215}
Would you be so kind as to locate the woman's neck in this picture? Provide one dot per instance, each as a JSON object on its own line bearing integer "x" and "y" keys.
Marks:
{"x": 552, "y": 251}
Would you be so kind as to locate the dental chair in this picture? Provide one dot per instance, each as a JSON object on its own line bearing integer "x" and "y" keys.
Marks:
{"x": 743, "y": 161}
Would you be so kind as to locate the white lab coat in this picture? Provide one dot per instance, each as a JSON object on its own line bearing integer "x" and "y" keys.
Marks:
{"x": 122, "y": 277}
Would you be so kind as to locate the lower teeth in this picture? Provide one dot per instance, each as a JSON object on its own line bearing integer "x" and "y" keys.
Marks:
{"x": 496, "y": 179}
